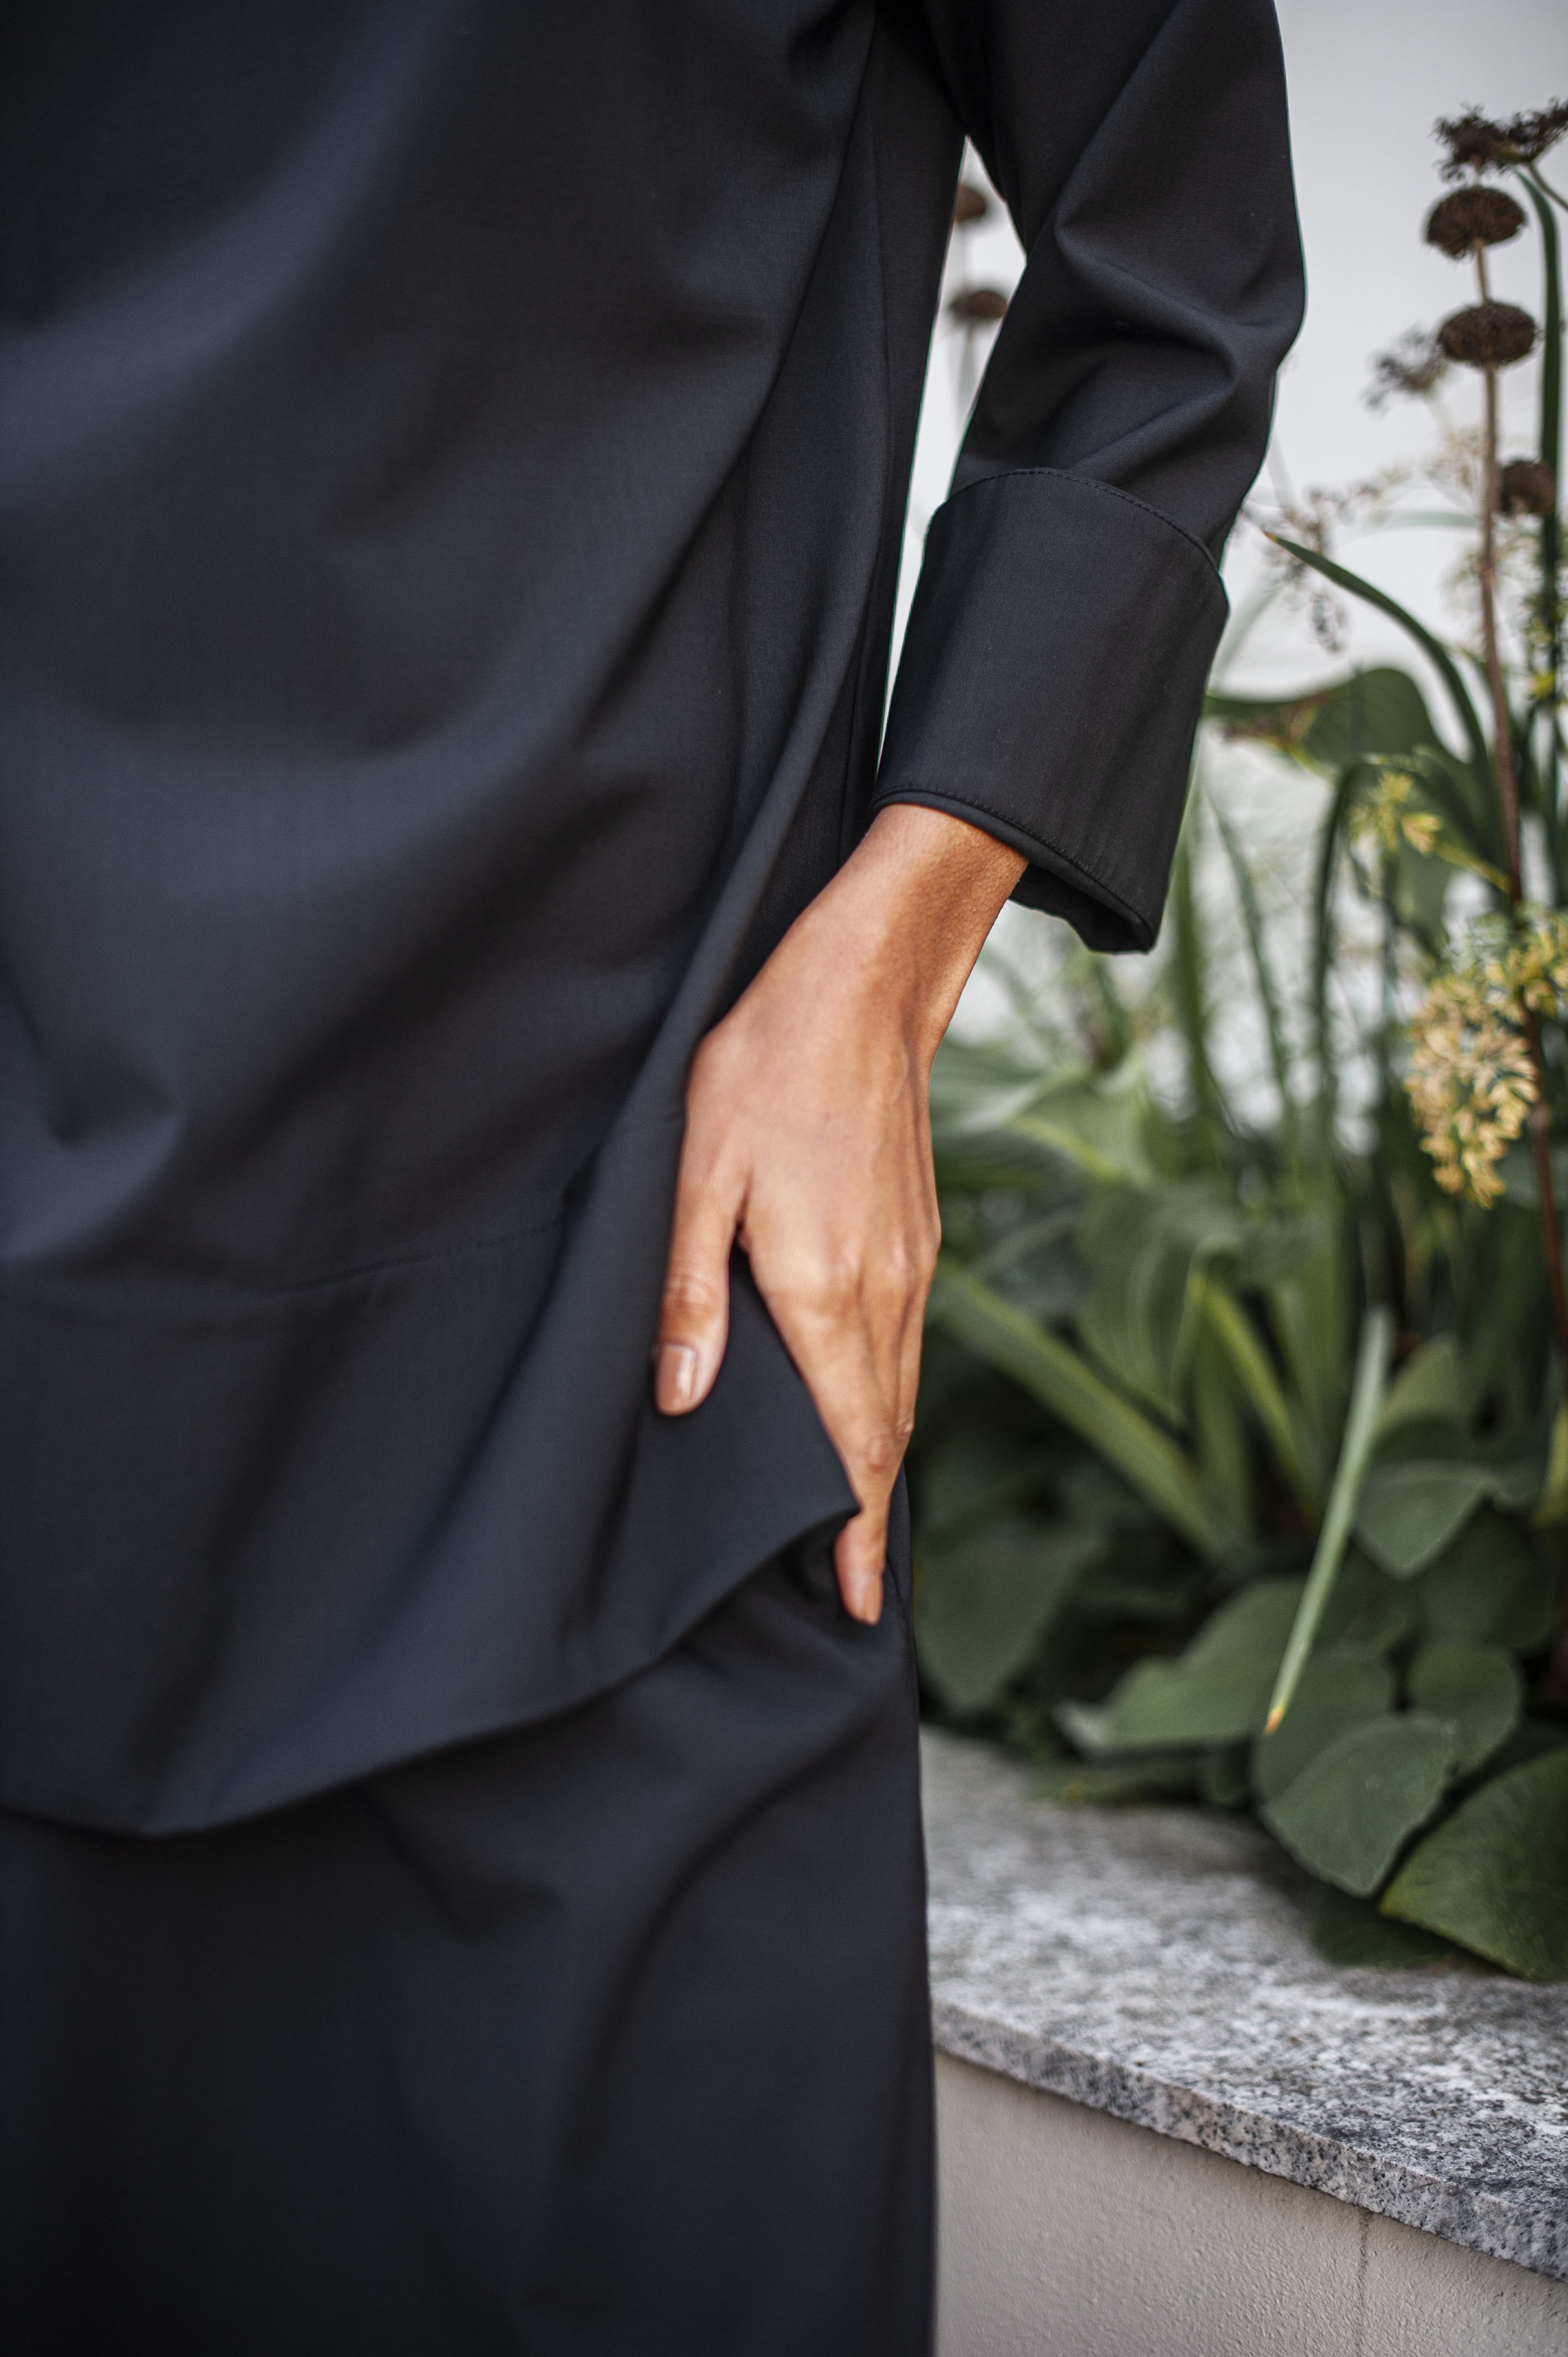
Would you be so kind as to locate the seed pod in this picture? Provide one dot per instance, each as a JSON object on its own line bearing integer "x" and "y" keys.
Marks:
{"x": 971, "y": 204}
{"x": 1472, "y": 217}
{"x": 1488, "y": 335}
{"x": 978, "y": 307}
{"x": 1527, "y": 487}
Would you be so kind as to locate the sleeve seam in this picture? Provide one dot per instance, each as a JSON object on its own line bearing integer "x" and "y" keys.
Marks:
{"x": 1090, "y": 483}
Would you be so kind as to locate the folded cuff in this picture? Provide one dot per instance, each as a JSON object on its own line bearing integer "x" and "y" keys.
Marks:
{"x": 1049, "y": 688}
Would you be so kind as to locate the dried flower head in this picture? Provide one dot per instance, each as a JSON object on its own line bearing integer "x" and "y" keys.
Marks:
{"x": 1527, "y": 487}
{"x": 1471, "y": 1081}
{"x": 971, "y": 204}
{"x": 1478, "y": 143}
{"x": 1414, "y": 366}
{"x": 1388, "y": 816}
{"x": 1488, "y": 335}
{"x": 1472, "y": 217}
{"x": 978, "y": 307}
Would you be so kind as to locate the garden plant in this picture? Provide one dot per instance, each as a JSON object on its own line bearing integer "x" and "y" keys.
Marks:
{"x": 1241, "y": 1469}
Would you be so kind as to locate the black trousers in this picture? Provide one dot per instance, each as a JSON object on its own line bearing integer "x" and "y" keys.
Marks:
{"x": 609, "y": 2035}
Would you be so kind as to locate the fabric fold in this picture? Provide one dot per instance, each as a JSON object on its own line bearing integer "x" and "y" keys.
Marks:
{"x": 1050, "y": 683}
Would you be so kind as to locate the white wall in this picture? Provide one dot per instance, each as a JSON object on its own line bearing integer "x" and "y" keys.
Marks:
{"x": 1367, "y": 78}
{"x": 1063, "y": 2232}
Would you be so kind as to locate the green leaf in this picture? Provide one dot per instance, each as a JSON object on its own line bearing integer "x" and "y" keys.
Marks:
{"x": 1147, "y": 1252}
{"x": 1238, "y": 1338}
{"x": 1379, "y": 711}
{"x": 1492, "y": 1585}
{"x": 1347, "y": 1813}
{"x": 1339, "y": 1686}
{"x": 963, "y": 1305}
{"x": 1551, "y": 1509}
{"x": 1477, "y": 1688}
{"x": 999, "y": 1116}
{"x": 1216, "y": 1691}
{"x": 1368, "y": 1610}
{"x": 1494, "y": 1876}
{"x": 1353, "y": 1932}
{"x": 969, "y": 1472}
{"x": 1436, "y": 652}
{"x": 987, "y": 1600}
{"x": 1410, "y": 1514}
{"x": 1433, "y": 1386}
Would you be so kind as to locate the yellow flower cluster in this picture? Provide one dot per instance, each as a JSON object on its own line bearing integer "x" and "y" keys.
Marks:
{"x": 1385, "y": 817}
{"x": 1471, "y": 1081}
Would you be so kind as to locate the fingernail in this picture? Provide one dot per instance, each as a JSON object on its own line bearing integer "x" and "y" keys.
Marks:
{"x": 677, "y": 1381}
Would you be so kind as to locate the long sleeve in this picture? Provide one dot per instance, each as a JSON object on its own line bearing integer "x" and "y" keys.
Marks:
{"x": 1070, "y": 602}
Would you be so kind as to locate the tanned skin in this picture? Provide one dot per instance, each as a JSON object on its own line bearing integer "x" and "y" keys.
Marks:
{"x": 809, "y": 1141}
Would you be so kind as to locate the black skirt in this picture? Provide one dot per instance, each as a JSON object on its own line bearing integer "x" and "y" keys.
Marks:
{"x": 609, "y": 2035}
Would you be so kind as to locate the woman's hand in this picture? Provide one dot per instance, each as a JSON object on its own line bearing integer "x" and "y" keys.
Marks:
{"x": 808, "y": 1137}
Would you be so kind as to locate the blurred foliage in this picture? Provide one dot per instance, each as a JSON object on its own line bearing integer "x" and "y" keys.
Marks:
{"x": 1241, "y": 1473}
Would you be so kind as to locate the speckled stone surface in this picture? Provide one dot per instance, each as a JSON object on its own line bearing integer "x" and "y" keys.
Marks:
{"x": 1155, "y": 1963}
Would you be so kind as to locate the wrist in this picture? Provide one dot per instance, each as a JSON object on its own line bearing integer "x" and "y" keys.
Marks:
{"x": 918, "y": 898}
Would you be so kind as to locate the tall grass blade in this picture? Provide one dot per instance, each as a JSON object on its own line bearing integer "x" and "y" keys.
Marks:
{"x": 1273, "y": 1017}
{"x": 1237, "y": 1337}
{"x": 1190, "y": 990}
{"x": 1048, "y": 1368}
{"x": 1436, "y": 652}
{"x": 1361, "y": 1427}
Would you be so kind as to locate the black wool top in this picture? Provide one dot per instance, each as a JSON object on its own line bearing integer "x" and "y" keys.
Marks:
{"x": 453, "y": 465}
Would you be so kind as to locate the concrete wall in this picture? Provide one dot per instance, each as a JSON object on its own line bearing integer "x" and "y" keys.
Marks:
{"x": 1064, "y": 2233}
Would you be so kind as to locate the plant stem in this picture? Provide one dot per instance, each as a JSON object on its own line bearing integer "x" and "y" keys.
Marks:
{"x": 1486, "y": 574}
{"x": 1550, "y": 1225}
{"x": 1508, "y": 807}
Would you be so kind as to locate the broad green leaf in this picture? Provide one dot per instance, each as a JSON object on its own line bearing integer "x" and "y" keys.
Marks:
{"x": 997, "y": 1112}
{"x": 1494, "y": 1876}
{"x": 987, "y": 1600}
{"x": 1282, "y": 723}
{"x": 1410, "y": 1514}
{"x": 1493, "y": 1585}
{"x": 1381, "y": 711}
{"x": 1354, "y": 1932}
{"x": 1552, "y": 1509}
{"x": 1054, "y": 1373}
{"x": 1216, "y": 1691}
{"x": 1340, "y": 1686}
{"x": 970, "y": 1471}
{"x": 1347, "y": 1813}
{"x": 1368, "y": 1610}
{"x": 1416, "y": 885}
{"x": 1477, "y": 1688}
{"x": 1433, "y": 1386}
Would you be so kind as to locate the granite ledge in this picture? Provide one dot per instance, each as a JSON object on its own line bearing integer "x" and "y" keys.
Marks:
{"x": 1153, "y": 1964}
